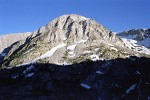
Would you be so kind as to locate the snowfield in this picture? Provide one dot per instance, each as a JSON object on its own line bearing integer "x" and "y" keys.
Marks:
{"x": 50, "y": 53}
{"x": 71, "y": 47}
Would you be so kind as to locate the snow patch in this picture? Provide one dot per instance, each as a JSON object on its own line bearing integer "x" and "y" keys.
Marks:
{"x": 81, "y": 41}
{"x": 96, "y": 49}
{"x": 99, "y": 72}
{"x": 47, "y": 54}
{"x": 14, "y": 77}
{"x": 29, "y": 75}
{"x": 85, "y": 86}
{"x": 84, "y": 18}
{"x": 8, "y": 67}
{"x": 28, "y": 69}
{"x": 137, "y": 72}
{"x": 147, "y": 83}
{"x": 99, "y": 98}
{"x": 71, "y": 56}
{"x": 87, "y": 51}
{"x": 113, "y": 48}
{"x": 71, "y": 47}
{"x": 50, "y": 53}
{"x": 111, "y": 45}
{"x": 65, "y": 63}
{"x": 94, "y": 57}
{"x": 24, "y": 64}
{"x": 132, "y": 87}
{"x": 71, "y": 52}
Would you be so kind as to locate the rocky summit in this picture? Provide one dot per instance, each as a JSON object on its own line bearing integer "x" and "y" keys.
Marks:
{"x": 74, "y": 57}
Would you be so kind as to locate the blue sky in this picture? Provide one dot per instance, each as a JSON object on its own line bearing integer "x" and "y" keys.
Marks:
{"x": 29, "y": 15}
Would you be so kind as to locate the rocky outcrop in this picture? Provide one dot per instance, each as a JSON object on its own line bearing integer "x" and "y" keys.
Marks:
{"x": 117, "y": 79}
{"x": 8, "y": 39}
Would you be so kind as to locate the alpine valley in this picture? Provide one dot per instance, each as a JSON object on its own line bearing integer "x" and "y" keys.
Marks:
{"x": 75, "y": 58}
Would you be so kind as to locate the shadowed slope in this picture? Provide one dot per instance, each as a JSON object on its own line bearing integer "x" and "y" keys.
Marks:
{"x": 118, "y": 79}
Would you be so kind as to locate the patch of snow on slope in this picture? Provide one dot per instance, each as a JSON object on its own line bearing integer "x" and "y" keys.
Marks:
{"x": 28, "y": 69}
{"x": 113, "y": 48}
{"x": 24, "y": 64}
{"x": 50, "y": 53}
{"x": 70, "y": 52}
{"x": 71, "y": 47}
{"x": 85, "y": 86}
{"x": 73, "y": 55}
{"x": 132, "y": 87}
{"x": 96, "y": 49}
{"x": 99, "y": 72}
{"x": 81, "y": 41}
{"x": 29, "y": 75}
{"x": 87, "y": 51}
{"x": 137, "y": 72}
{"x": 84, "y": 18}
{"x": 14, "y": 77}
{"x": 64, "y": 63}
{"x": 111, "y": 45}
{"x": 94, "y": 57}
{"x": 8, "y": 67}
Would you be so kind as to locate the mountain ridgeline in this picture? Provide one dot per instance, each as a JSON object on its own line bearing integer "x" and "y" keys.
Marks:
{"x": 68, "y": 39}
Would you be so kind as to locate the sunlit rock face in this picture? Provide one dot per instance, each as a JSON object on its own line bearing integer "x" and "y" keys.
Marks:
{"x": 9, "y": 39}
{"x": 85, "y": 33}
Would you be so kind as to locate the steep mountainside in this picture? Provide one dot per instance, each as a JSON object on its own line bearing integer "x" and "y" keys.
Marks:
{"x": 137, "y": 39}
{"x": 68, "y": 39}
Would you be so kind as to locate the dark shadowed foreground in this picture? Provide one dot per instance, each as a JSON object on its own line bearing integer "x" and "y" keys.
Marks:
{"x": 118, "y": 79}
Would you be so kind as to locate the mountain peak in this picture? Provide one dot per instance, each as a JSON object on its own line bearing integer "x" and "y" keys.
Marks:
{"x": 74, "y": 17}
{"x": 73, "y": 28}
{"x": 67, "y": 38}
